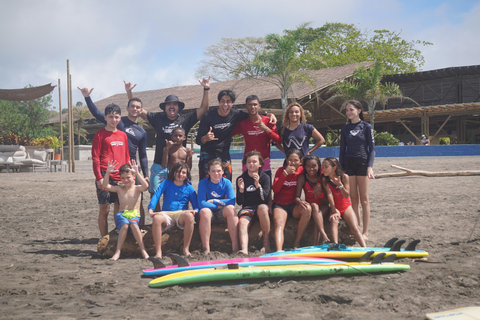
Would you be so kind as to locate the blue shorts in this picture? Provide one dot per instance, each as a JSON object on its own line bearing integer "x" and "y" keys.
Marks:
{"x": 106, "y": 197}
{"x": 157, "y": 175}
{"x": 120, "y": 220}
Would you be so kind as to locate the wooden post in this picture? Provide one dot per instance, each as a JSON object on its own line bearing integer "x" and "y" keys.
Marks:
{"x": 72, "y": 137}
{"x": 70, "y": 134}
{"x": 61, "y": 124}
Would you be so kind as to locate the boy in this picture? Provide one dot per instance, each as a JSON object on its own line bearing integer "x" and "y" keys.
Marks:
{"x": 174, "y": 150}
{"x": 129, "y": 195}
{"x": 108, "y": 144}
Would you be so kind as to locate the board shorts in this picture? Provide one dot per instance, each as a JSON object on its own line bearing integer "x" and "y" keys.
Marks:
{"x": 157, "y": 175}
{"x": 172, "y": 219}
{"x": 127, "y": 217}
{"x": 107, "y": 197}
{"x": 217, "y": 216}
{"x": 356, "y": 167}
{"x": 205, "y": 159}
{"x": 287, "y": 207}
{"x": 249, "y": 213}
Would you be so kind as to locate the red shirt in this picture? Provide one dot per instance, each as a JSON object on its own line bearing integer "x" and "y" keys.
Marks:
{"x": 256, "y": 139}
{"x": 107, "y": 146}
{"x": 284, "y": 187}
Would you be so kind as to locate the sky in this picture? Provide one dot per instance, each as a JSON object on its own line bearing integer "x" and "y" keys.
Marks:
{"x": 160, "y": 43}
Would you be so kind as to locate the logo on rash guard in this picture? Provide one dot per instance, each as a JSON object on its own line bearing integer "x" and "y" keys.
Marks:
{"x": 130, "y": 131}
{"x": 251, "y": 188}
{"x": 255, "y": 132}
{"x": 116, "y": 143}
{"x": 290, "y": 183}
{"x": 215, "y": 195}
{"x": 354, "y": 132}
{"x": 295, "y": 142}
{"x": 222, "y": 126}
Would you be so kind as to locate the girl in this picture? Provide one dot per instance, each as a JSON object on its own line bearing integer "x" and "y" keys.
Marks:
{"x": 177, "y": 192}
{"x": 284, "y": 187}
{"x": 217, "y": 202}
{"x": 253, "y": 189}
{"x": 315, "y": 201}
{"x": 337, "y": 187}
{"x": 357, "y": 152}
{"x": 296, "y": 134}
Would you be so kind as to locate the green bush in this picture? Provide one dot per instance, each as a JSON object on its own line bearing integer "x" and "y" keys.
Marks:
{"x": 445, "y": 140}
{"x": 385, "y": 139}
{"x": 331, "y": 140}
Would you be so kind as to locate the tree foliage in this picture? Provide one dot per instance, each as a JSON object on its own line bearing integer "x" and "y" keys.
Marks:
{"x": 366, "y": 86}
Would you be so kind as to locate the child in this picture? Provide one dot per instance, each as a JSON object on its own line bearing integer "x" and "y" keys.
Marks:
{"x": 253, "y": 188}
{"x": 337, "y": 188}
{"x": 108, "y": 144}
{"x": 176, "y": 195}
{"x": 315, "y": 201}
{"x": 174, "y": 150}
{"x": 284, "y": 187}
{"x": 217, "y": 203}
{"x": 129, "y": 195}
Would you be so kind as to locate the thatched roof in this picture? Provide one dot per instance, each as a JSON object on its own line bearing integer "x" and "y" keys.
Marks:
{"x": 26, "y": 94}
{"x": 191, "y": 95}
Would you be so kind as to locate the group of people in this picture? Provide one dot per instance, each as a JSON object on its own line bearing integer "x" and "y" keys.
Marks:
{"x": 328, "y": 186}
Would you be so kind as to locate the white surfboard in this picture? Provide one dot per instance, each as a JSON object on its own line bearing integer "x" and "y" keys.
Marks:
{"x": 468, "y": 313}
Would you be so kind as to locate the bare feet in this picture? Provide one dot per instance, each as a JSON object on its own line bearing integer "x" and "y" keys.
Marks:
{"x": 186, "y": 253}
{"x": 365, "y": 236}
{"x": 115, "y": 256}
{"x": 324, "y": 238}
{"x": 265, "y": 250}
{"x": 245, "y": 252}
{"x": 145, "y": 254}
{"x": 296, "y": 245}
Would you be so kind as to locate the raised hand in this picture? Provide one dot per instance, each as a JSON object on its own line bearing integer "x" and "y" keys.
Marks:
{"x": 129, "y": 86}
{"x": 241, "y": 184}
{"x": 189, "y": 152}
{"x": 256, "y": 180}
{"x": 210, "y": 136}
{"x": 290, "y": 169}
{"x": 261, "y": 126}
{"x": 205, "y": 82}
{"x": 111, "y": 166}
{"x": 169, "y": 143}
{"x": 134, "y": 166}
{"x": 85, "y": 91}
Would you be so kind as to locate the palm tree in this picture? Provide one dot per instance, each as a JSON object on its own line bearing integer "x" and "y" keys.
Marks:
{"x": 366, "y": 86}
{"x": 80, "y": 113}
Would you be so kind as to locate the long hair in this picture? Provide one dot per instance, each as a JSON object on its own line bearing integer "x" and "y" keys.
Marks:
{"x": 334, "y": 162}
{"x": 357, "y": 104}
{"x": 177, "y": 167}
{"x": 286, "y": 120}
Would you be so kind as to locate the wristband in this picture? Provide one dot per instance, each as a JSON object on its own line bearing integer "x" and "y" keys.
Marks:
{"x": 340, "y": 187}
{"x": 206, "y": 89}
{"x": 285, "y": 172}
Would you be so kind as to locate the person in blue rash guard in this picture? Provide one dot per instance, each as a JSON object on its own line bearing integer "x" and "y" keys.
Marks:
{"x": 216, "y": 200}
{"x": 357, "y": 152}
{"x": 177, "y": 192}
{"x": 137, "y": 136}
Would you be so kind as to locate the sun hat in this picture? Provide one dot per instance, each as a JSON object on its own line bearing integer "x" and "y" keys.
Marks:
{"x": 172, "y": 98}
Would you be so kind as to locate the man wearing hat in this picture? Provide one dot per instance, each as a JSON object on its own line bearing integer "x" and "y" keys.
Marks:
{"x": 164, "y": 123}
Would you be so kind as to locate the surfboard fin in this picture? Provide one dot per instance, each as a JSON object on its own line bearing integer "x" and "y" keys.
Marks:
{"x": 412, "y": 245}
{"x": 390, "y": 258}
{"x": 397, "y": 245}
{"x": 366, "y": 256}
{"x": 378, "y": 258}
{"x": 176, "y": 259}
{"x": 157, "y": 263}
{"x": 390, "y": 243}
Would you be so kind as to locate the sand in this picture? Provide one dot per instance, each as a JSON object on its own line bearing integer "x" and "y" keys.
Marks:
{"x": 49, "y": 267}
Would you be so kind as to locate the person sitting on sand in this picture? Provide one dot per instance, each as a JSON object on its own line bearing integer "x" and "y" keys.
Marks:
{"x": 129, "y": 196}
{"x": 337, "y": 188}
{"x": 177, "y": 192}
{"x": 315, "y": 201}
{"x": 216, "y": 199}
{"x": 174, "y": 150}
{"x": 253, "y": 189}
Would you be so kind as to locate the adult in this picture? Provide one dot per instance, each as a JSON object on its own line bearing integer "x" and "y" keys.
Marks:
{"x": 357, "y": 152}
{"x": 164, "y": 122}
{"x": 257, "y": 132}
{"x": 295, "y": 133}
{"x": 137, "y": 137}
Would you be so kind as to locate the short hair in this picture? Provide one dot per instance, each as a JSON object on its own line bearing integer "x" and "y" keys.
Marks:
{"x": 125, "y": 169}
{"x": 253, "y": 153}
{"x": 252, "y": 97}
{"x": 177, "y": 167}
{"x": 215, "y": 162}
{"x": 113, "y": 108}
{"x": 226, "y": 92}
{"x": 357, "y": 104}
{"x": 176, "y": 129}
{"x": 134, "y": 99}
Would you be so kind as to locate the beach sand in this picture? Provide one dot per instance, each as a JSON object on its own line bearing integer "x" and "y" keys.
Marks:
{"x": 50, "y": 269}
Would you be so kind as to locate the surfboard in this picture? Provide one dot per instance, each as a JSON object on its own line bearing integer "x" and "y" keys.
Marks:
{"x": 179, "y": 265}
{"x": 245, "y": 274}
{"x": 468, "y": 313}
{"x": 340, "y": 251}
